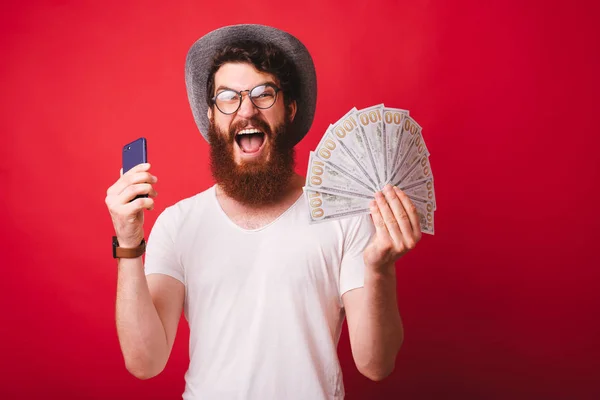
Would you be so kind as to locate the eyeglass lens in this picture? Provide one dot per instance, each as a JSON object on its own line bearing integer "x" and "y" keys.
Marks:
{"x": 262, "y": 96}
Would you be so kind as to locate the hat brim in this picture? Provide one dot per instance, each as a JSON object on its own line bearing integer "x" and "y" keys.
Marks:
{"x": 199, "y": 61}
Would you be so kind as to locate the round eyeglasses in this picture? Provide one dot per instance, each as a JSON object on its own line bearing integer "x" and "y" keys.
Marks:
{"x": 262, "y": 96}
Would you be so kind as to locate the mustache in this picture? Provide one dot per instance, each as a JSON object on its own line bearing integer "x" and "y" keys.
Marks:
{"x": 255, "y": 122}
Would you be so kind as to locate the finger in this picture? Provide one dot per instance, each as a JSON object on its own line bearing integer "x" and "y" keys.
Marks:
{"x": 390, "y": 220}
{"x": 143, "y": 203}
{"x": 152, "y": 193}
{"x": 139, "y": 177}
{"x": 413, "y": 215}
{"x": 132, "y": 191}
{"x": 380, "y": 228}
{"x": 399, "y": 211}
{"x": 120, "y": 184}
{"x": 127, "y": 180}
{"x": 139, "y": 168}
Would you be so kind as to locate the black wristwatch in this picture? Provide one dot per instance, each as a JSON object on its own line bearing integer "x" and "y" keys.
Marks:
{"x": 119, "y": 252}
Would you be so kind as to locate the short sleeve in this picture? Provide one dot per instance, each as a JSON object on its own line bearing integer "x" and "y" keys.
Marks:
{"x": 358, "y": 235}
{"x": 161, "y": 256}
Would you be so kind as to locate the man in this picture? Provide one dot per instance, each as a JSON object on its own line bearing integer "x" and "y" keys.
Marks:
{"x": 265, "y": 293}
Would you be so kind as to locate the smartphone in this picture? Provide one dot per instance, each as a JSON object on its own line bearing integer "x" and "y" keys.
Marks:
{"x": 135, "y": 153}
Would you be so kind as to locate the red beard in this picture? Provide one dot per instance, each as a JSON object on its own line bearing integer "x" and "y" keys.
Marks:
{"x": 259, "y": 182}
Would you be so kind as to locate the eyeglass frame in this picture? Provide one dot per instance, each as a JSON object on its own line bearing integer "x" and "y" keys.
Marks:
{"x": 239, "y": 93}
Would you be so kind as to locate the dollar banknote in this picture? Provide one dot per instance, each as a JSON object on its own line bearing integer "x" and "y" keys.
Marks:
{"x": 329, "y": 207}
{"x": 361, "y": 153}
{"x": 393, "y": 120}
{"x": 370, "y": 121}
{"x": 422, "y": 189}
{"x": 412, "y": 146}
{"x": 325, "y": 177}
{"x": 419, "y": 170}
{"x": 348, "y": 134}
{"x": 330, "y": 150}
{"x": 425, "y": 211}
{"x": 415, "y": 147}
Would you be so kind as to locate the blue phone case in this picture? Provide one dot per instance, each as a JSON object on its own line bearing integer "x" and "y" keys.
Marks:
{"x": 135, "y": 153}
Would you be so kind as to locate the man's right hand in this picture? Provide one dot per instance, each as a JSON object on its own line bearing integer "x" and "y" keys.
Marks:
{"x": 128, "y": 216}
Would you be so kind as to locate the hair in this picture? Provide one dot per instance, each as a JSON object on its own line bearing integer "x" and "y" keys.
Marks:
{"x": 265, "y": 57}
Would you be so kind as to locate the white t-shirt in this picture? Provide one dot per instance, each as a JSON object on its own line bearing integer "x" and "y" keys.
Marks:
{"x": 264, "y": 306}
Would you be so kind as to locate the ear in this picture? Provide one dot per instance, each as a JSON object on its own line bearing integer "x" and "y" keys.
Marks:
{"x": 293, "y": 108}
{"x": 209, "y": 113}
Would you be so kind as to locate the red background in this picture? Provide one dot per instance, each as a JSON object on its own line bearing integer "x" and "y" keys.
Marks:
{"x": 501, "y": 303}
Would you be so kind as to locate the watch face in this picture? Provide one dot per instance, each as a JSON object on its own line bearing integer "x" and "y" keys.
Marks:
{"x": 115, "y": 244}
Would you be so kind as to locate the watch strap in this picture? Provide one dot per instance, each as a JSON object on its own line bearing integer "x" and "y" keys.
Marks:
{"x": 120, "y": 252}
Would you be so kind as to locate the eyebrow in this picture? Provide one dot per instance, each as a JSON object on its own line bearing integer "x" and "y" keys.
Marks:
{"x": 221, "y": 87}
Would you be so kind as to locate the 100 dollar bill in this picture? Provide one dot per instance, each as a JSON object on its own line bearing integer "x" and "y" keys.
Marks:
{"x": 359, "y": 154}
{"x": 425, "y": 211}
{"x": 326, "y": 177}
{"x": 393, "y": 119}
{"x": 330, "y": 150}
{"x": 370, "y": 121}
{"x": 422, "y": 189}
{"x": 414, "y": 149}
{"x": 419, "y": 170}
{"x": 348, "y": 134}
{"x": 329, "y": 207}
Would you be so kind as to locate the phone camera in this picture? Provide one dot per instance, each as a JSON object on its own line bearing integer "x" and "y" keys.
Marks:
{"x": 128, "y": 147}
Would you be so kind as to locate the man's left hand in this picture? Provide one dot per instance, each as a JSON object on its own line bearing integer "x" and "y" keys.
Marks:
{"x": 397, "y": 228}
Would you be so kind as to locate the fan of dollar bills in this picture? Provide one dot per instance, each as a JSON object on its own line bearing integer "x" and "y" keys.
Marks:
{"x": 361, "y": 153}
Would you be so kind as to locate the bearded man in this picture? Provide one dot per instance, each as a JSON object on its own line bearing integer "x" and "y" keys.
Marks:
{"x": 265, "y": 293}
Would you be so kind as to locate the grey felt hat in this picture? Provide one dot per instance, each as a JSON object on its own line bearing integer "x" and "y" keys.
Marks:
{"x": 199, "y": 60}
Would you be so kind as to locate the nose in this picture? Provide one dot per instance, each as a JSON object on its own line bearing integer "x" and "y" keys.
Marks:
{"x": 247, "y": 109}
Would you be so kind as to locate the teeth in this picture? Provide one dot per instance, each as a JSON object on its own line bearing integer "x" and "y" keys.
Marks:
{"x": 248, "y": 131}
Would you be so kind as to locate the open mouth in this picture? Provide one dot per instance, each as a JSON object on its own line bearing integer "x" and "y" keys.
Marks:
{"x": 250, "y": 140}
